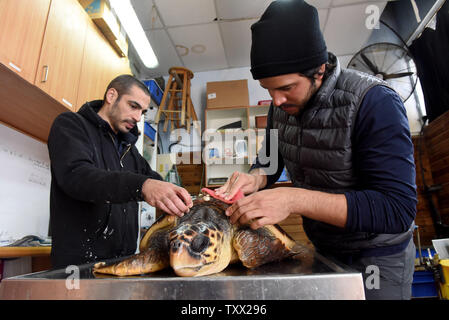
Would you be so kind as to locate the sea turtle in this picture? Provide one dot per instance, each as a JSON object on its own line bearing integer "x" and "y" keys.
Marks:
{"x": 202, "y": 242}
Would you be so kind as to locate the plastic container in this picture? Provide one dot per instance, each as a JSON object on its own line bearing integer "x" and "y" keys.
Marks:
{"x": 284, "y": 176}
{"x": 444, "y": 287}
{"x": 423, "y": 285}
{"x": 425, "y": 252}
{"x": 445, "y": 270}
{"x": 149, "y": 131}
{"x": 444, "y": 291}
{"x": 155, "y": 91}
{"x": 264, "y": 103}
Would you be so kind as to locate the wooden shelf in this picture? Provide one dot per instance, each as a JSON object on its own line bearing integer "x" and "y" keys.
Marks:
{"x": 26, "y": 108}
{"x": 16, "y": 252}
{"x": 227, "y": 161}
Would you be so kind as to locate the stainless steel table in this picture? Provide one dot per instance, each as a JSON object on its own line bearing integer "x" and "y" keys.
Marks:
{"x": 307, "y": 275}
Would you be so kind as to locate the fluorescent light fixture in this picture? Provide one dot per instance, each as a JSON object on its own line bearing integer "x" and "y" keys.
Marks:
{"x": 128, "y": 18}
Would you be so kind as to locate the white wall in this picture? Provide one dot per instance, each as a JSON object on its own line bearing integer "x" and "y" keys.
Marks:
{"x": 256, "y": 93}
{"x": 24, "y": 186}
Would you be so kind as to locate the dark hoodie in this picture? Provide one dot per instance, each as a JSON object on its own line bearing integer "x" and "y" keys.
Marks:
{"x": 94, "y": 188}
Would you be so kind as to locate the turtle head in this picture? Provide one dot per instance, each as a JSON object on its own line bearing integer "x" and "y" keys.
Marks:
{"x": 201, "y": 243}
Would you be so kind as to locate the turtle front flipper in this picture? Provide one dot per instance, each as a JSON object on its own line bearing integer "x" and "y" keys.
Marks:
{"x": 146, "y": 262}
{"x": 154, "y": 255}
{"x": 165, "y": 222}
{"x": 266, "y": 244}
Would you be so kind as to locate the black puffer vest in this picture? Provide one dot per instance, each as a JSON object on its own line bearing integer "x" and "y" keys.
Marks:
{"x": 316, "y": 147}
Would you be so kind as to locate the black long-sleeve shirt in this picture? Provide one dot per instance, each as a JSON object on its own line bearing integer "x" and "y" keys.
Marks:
{"x": 385, "y": 201}
{"x": 95, "y": 188}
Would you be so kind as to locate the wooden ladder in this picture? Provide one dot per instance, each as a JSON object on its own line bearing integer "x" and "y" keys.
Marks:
{"x": 179, "y": 110}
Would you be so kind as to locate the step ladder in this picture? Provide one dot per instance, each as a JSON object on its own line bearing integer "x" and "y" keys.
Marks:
{"x": 179, "y": 111}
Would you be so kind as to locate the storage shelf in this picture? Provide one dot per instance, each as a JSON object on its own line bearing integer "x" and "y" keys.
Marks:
{"x": 218, "y": 117}
{"x": 226, "y": 160}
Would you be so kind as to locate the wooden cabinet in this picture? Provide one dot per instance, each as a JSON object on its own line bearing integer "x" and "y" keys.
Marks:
{"x": 92, "y": 82}
{"x": 52, "y": 59}
{"x": 22, "y": 27}
{"x": 62, "y": 52}
{"x": 100, "y": 65}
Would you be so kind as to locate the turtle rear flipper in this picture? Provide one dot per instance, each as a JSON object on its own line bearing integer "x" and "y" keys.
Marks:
{"x": 153, "y": 256}
{"x": 266, "y": 244}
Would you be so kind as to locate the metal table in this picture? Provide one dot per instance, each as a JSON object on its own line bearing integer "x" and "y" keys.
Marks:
{"x": 307, "y": 275}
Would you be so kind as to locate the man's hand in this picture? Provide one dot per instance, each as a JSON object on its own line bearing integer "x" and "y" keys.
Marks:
{"x": 262, "y": 208}
{"x": 248, "y": 183}
{"x": 275, "y": 205}
{"x": 167, "y": 196}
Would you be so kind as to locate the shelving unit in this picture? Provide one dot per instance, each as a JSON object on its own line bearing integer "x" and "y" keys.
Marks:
{"x": 150, "y": 141}
{"x": 149, "y": 150}
{"x": 225, "y": 151}
{"x": 150, "y": 130}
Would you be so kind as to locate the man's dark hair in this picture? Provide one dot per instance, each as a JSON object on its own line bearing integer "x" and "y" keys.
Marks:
{"x": 316, "y": 71}
{"x": 123, "y": 85}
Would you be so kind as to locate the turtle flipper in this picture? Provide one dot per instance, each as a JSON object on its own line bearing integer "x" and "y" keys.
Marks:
{"x": 145, "y": 262}
{"x": 165, "y": 222}
{"x": 153, "y": 256}
{"x": 266, "y": 244}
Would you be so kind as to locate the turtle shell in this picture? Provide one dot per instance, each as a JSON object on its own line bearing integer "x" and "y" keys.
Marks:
{"x": 202, "y": 242}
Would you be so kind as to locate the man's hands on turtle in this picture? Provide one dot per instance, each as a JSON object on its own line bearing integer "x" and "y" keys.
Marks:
{"x": 167, "y": 196}
{"x": 248, "y": 183}
{"x": 261, "y": 208}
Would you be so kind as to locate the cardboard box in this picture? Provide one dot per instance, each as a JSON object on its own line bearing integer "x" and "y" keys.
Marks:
{"x": 100, "y": 13}
{"x": 107, "y": 22}
{"x": 232, "y": 93}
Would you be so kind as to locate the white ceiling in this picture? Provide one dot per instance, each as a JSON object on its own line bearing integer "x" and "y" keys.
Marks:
{"x": 205, "y": 35}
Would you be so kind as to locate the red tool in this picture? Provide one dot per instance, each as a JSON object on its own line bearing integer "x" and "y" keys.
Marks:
{"x": 239, "y": 195}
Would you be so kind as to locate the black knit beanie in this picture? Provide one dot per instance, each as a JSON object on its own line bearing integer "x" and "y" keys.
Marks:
{"x": 287, "y": 39}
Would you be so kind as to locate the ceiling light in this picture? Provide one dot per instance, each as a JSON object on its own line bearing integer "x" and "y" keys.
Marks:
{"x": 128, "y": 18}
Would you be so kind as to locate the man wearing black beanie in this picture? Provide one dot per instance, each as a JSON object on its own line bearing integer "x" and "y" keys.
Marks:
{"x": 344, "y": 138}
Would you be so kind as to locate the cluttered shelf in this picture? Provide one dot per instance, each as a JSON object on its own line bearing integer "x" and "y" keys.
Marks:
{"x": 233, "y": 140}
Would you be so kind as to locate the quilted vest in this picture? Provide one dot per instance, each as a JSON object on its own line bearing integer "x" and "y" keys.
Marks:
{"x": 316, "y": 147}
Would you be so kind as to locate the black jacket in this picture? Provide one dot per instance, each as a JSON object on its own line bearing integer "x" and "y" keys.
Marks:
{"x": 94, "y": 190}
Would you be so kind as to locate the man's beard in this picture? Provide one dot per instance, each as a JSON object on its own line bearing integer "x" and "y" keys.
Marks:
{"x": 115, "y": 120}
{"x": 302, "y": 104}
